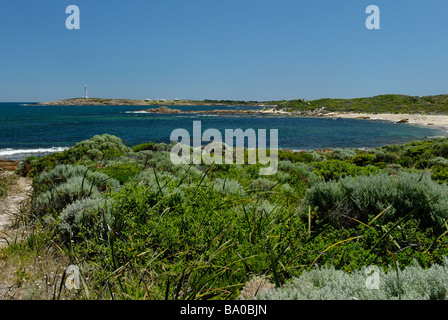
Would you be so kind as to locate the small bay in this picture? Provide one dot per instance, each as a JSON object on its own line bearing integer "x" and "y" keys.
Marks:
{"x": 33, "y": 129}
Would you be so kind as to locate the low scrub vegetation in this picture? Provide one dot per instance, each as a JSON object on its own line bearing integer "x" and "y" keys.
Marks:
{"x": 389, "y": 103}
{"x": 368, "y": 283}
{"x": 140, "y": 227}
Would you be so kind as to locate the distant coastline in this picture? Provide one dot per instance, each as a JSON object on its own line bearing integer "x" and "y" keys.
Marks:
{"x": 135, "y": 102}
{"x": 390, "y": 103}
{"x": 419, "y": 119}
{"x": 427, "y": 110}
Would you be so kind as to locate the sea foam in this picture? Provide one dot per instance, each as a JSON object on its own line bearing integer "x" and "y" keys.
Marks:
{"x": 14, "y": 152}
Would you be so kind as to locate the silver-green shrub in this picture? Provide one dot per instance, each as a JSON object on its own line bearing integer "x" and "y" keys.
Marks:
{"x": 261, "y": 208}
{"x": 149, "y": 177}
{"x": 102, "y": 181}
{"x": 361, "y": 196}
{"x": 62, "y": 173}
{"x": 86, "y": 213}
{"x": 227, "y": 186}
{"x": 286, "y": 165}
{"x": 103, "y": 142}
{"x": 282, "y": 176}
{"x": 188, "y": 173}
{"x": 286, "y": 189}
{"x": 58, "y": 197}
{"x": 261, "y": 185}
{"x": 317, "y": 156}
{"x": 411, "y": 283}
{"x": 297, "y": 169}
{"x": 343, "y": 154}
{"x": 438, "y": 161}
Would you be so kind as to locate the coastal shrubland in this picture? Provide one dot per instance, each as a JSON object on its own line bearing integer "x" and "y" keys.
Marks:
{"x": 140, "y": 227}
{"x": 389, "y": 103}
{"x": 327, "y": 283}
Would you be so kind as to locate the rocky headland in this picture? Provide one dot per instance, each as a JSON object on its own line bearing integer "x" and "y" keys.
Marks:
{"x": 94, "y": 102}
{"x": 147, "y": 102}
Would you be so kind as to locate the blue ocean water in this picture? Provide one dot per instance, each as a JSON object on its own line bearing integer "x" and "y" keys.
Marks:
{"x": 30, "y": 130}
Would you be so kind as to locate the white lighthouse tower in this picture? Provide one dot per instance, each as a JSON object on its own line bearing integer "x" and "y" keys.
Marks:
{"x": 85, "y": 92}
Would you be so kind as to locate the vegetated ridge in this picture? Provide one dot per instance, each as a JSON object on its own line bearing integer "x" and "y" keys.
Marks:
{"x": 390, "y": 103}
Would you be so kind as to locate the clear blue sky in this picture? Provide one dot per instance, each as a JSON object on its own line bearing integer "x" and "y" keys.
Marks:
{"x": 222, "y": 49}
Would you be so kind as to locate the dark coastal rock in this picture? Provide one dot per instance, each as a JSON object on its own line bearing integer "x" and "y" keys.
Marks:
{"x": 218, "y": 112}
{"x": 403, "y": 121}
{"x": 314, "y": 112}
{"x": 163, "y": 110}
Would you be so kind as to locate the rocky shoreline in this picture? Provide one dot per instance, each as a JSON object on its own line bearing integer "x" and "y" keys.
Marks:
{"x": 270, "y": 111}
{"x": 440, "y": 121}
{"x": 167, "y": 110}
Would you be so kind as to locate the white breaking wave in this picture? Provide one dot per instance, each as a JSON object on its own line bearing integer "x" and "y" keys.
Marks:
{"x": 11, "y": 152}
{"x": 135, "y": 112}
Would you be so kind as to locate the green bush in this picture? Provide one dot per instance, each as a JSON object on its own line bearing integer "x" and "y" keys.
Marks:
{"x": 95, "y": 149}
{"x": 24, "y": 168}
{"x": 440, "y": 174}
{"x": 385, "y": 157}
{"x": 363, "y": 159}
{"x": 301, "y": 156}
{"x": 440, "y": 149}
{"x": 335, "y": 169}
{"x": 122, "y": 172}
{"x": 144, "y": 146}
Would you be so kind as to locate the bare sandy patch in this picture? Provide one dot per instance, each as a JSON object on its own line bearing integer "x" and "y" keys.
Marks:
{"x": 419, "y": 119}
{"x": 10, "y": 205}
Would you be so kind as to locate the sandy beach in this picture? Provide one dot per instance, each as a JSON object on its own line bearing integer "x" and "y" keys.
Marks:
{"x": 419, "y": 119}
{"x": 440, "y": 121}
